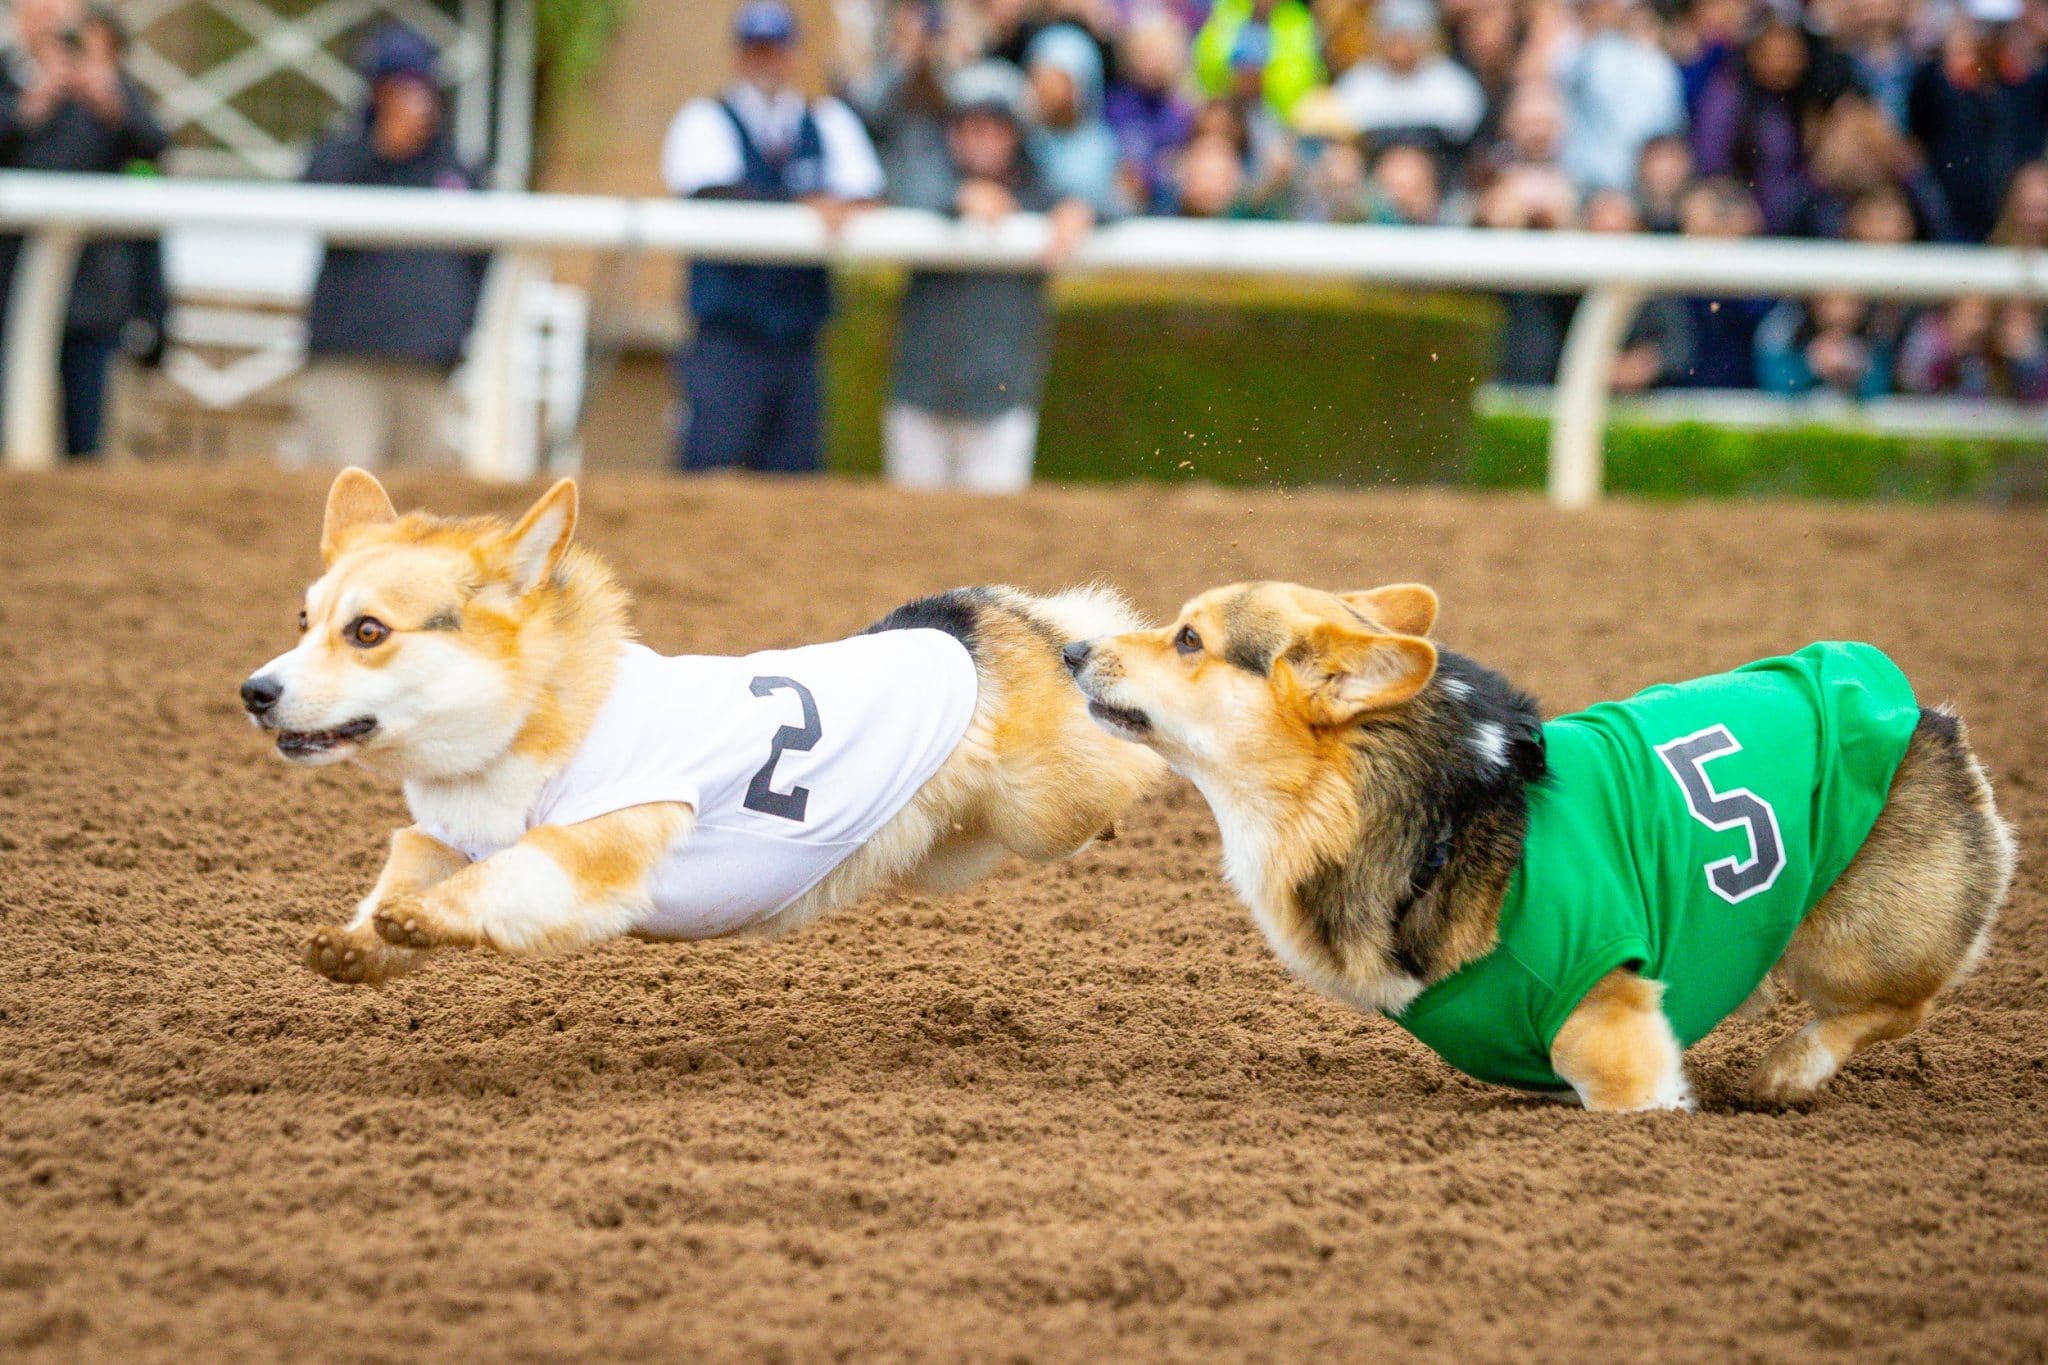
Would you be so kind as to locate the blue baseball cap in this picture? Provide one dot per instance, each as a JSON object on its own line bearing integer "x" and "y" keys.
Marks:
{"x": 764, "y": 21}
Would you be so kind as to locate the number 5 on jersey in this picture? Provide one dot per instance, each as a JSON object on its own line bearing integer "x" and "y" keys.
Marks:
{"x": 1732, "y": 879}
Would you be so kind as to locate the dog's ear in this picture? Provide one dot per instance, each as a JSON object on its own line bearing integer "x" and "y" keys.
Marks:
{"x": 536, "y": 545}
{"x": 355, "y": 500}
{"x": 1404, "y": 608}
{"x": 1345, "y": 672}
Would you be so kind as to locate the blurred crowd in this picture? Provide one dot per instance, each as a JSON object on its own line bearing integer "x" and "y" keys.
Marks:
{"x": 1865, "y": 120}
{"x": 1874, "y": 121}
{"x": 1877, "y": 121}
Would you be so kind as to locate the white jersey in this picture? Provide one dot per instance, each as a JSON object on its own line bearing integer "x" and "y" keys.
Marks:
{"x": 791, "y": 758}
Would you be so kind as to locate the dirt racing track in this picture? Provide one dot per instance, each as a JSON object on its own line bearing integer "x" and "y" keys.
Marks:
{"x": 1072, "y": 1113}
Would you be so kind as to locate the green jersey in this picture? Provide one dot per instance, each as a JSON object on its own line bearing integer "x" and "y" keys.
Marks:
{"x": 1685, "y": 832}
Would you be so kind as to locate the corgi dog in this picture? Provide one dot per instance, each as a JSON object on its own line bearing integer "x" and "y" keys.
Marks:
{"x": 1566, "y": 906}
{"x": 568, "y": 785}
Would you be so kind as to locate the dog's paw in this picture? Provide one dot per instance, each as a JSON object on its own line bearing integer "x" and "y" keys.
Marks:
{"x": 341, "y": 957}
{"x": 1791, "y": 1073}
{"x": 403, "y": 922}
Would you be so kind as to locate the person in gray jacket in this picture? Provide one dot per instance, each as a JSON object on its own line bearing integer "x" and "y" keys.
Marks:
{"x": 387, "y": 325}
{"x": 972, "y": 346}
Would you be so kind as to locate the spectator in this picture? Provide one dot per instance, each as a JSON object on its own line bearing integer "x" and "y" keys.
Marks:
{"x": 972, "y": 346}
{"x": 1620, "y": 90}
{"x": 1751, "y": 119}
{"x": 1487, "y": 41}
{"x": 1664, "y": 171}
{"x": 1980, "y": 109}
{"x": 1151, "y": 118}
{"x": 1880, "y": 216}
{"x": 1657, "y": 349}
{"x": 750, "y": 375}
{"x": 1829, "y": 345}
{"x": 73, "y": 108}
{"x": 2024, "y": 220}
{"x": 386, "y": 326}
{"x": 1072, "y": 146}
{"x": 1706, "y": 39}
{"x": 1211, "y": 180}
{"x": 1406, "y": 187}
{"x": 1271, "y": 45}
{"x": 1336, "y": 189}
{"x": 1411, "y": 91}
{"x": 1872, "y": 36}
{"x": 902, "y": 100}
{"x": 1723, "y": 329}
{"x": 1974, "y": 348}
{"x": 1531, "y": 197}
{"x": 1855, "y": 150}
{"x": 1532, "y": 133}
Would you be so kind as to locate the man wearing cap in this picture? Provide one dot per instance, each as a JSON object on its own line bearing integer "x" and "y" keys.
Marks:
{"x": 750, "y": 375}
{"x": 387, "y": 325}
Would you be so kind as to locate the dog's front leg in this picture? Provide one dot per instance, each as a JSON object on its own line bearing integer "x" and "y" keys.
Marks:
{"x": 560, "y": 888}
{"x": 1618, "y": 1051}
{"x": 356, "y": 954}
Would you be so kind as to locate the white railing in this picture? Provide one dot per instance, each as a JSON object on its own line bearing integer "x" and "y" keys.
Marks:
{"x": 1615, "y": 273}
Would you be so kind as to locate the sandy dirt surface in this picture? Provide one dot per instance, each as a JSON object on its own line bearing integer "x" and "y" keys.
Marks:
{"x": 1074, "y": 1113}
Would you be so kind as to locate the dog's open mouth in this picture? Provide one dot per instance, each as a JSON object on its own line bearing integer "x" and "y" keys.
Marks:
{"x": 1123, "y": 717}
{"x": 301, "y": 743}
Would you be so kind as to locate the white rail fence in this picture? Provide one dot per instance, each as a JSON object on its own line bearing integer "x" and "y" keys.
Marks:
{"x": 57, "y": 213}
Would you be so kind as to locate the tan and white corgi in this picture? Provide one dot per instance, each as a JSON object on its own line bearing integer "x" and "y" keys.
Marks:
{"x": 1566, "y": 906}
{"x": 570, "y": 786}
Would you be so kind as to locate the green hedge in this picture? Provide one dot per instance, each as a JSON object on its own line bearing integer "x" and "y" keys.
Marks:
{"x": 1224, "y": 380}
{"x": 1261, "y": 383}
{"x": 1691, "y": 459}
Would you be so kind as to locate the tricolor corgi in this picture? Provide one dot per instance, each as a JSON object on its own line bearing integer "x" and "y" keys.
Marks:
{"x": 568, "y": 785}
{"x": 1567, "y": 906}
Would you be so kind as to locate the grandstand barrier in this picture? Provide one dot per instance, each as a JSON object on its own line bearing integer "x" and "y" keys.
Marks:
{"x": 1615, "y": 273}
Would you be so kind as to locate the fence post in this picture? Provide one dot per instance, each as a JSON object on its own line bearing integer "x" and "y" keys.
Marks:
{"x": 1578, "y": 426}
{"x": 491, "y": 448}
{"x": 35, "y": 339}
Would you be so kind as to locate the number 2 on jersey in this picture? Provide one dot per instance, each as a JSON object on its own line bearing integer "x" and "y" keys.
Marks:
{"x": 761, "y": 793}
{"x": 1732, "y": 879}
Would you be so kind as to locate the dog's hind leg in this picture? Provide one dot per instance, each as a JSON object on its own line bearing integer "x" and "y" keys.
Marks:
{"x": 955, "y": 864}
{"x": 1908, "y": 918}
{"x": 1803, "y": 1063}
{"x": 355, "y": 954}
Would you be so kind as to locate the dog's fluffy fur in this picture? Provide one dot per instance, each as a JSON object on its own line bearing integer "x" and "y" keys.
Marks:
{"x": 1341, "y": 750}
{"x": 467, "y": 659}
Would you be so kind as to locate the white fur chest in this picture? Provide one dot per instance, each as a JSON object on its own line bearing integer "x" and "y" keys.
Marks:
{"x": 481, "y": 814}
{"x": 1250, "y": 851}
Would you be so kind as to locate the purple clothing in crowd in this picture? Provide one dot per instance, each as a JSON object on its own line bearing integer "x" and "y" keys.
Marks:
{"x": 1753, "y": 135}
{"x": 1150, "y": 127}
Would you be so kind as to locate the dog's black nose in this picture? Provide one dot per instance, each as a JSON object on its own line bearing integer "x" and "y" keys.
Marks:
{"x": 1077, "y": 654}
{"x": 259, "y": 694}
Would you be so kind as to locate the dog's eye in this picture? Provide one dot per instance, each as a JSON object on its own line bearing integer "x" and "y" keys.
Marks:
{"x": 302, "y": 621}
{"x": 367, "y": 632}
{"x": 1187, "y": 642}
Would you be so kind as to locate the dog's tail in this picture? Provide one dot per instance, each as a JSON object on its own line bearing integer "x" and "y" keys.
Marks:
{"x": 1057, "y": 620}
{"x": 1084, "y": 612}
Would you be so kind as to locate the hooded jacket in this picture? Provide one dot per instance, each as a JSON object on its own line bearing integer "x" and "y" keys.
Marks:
{"x": 389, "y": 303}
{"x": 1078, "y": 161}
